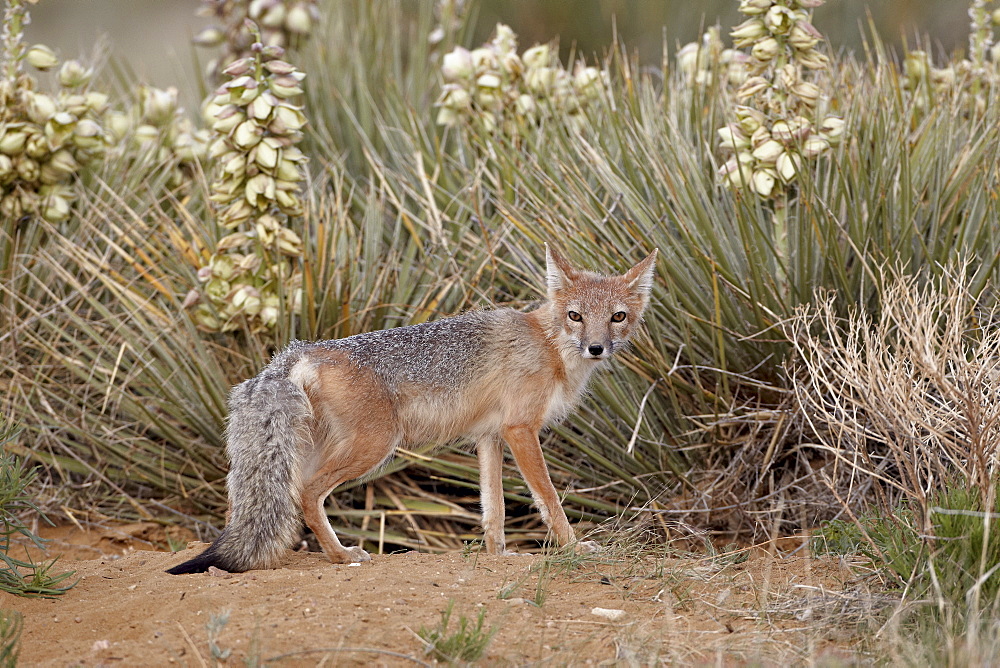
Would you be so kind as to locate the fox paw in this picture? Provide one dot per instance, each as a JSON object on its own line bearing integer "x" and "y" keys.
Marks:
{"x": 587, "y": 547}
{"x": 355, "y": 555}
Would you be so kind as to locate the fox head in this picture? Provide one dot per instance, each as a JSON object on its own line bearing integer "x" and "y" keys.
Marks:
{"x": 595, "y": 315}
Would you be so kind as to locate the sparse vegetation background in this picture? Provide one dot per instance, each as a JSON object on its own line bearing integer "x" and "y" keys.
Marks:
{"x": 822, "y": 340}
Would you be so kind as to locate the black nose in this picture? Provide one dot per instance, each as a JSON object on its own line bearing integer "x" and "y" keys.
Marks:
{"x": 595, "y": 349}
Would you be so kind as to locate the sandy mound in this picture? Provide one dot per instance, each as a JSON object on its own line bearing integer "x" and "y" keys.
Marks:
{"x": 126, "y": 611}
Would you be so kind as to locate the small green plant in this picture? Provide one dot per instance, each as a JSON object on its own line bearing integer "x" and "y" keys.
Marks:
{"x": 956, "y": 558}
{"x": 215, "y": 625}
{"x": 21, "y": 577}
{"x": 890, "y": 541}
{"x": 729, "y": 555}
{"x": 948, "y": 569}
{"x": 544, "y": 571}
{"x": 508, "y": 589}
{"x": 555, "y": 560}
{"x": 253, "y": 658}
{"x": 11, "y": 625}
{"x": 838, "y": 537}
{"x": 175, "y": 544}
{"x": 466, "y": 643}
{"x": 472, "y": 548}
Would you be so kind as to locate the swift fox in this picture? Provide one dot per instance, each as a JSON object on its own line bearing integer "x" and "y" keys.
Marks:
{"x": 323, "y": 413}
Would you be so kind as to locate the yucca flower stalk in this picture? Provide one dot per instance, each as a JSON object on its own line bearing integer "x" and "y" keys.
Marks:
{"x": 777, "y": 127}
{"x": 45, "y": 139}
{"x": 450, "y": 16}
{"x": 256, "y": 191}
{"x": 981, "y": 34}
{"x": 494, "y": 88}
{"x": 282, "y": 23}
{"x": 698, "y": 61}
{"x": 969, "y": 78}
{"x": 154, "y": 130}
{"x": 15, "y": 19}
{"x": 981, "y": 51}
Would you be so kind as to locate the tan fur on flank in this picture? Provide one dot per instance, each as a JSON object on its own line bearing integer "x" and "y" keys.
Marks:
{"x": 323, "y": 413}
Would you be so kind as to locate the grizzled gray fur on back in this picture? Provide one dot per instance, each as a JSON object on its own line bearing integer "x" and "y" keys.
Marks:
{"x": 440, "y": 353}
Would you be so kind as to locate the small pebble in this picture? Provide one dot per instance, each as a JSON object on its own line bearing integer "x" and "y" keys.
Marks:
{"x": 608, "y": 613}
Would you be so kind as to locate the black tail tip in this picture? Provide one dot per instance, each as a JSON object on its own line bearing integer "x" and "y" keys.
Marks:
{"x": 199, "y": 564}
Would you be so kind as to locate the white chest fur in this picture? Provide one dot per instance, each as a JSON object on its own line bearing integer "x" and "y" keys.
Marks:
{"x": 567, "y": 394}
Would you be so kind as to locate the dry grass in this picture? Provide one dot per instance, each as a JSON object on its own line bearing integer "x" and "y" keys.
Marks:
{"x": 903, "y": 403}
{"x": 906, "y": 409}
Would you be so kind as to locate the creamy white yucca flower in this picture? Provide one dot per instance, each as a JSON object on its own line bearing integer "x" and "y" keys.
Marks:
{"x": 257, "y": 121}
{"x": 494, "y": 89}
{"x": 47, "y": 137}
{"x": 286, "y": 24}
{"x": 780, "y": 124}
{"x": 701, "y": 62}
{"x": 967, "y": 80}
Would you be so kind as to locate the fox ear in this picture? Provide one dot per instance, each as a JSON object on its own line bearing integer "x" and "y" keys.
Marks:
{"x": 640, "y": 277}
{"x": 559, "y": 274}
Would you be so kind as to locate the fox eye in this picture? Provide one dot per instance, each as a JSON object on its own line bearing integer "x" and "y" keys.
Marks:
{"x": 618, "y": 317}
{"x": 574, "y": 316}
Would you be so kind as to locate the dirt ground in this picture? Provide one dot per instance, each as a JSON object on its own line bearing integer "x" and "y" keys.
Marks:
{"x": 745, "y": 608}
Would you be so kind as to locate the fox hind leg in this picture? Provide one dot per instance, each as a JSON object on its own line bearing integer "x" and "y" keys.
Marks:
{"x": 352, "y": 459}
{"x": 313, "y": 498}
{"x": 354, "y": 429}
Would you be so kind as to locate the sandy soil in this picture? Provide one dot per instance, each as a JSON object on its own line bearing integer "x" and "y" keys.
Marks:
{"x": 748, "y": 608}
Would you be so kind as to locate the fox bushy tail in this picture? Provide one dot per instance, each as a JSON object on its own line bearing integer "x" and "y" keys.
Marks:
{"x": 267, "y": 424}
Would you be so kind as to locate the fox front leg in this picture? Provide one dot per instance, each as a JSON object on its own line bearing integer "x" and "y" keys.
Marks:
{"x": 491, "y": 493}
{"x": 523, "y": 441}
